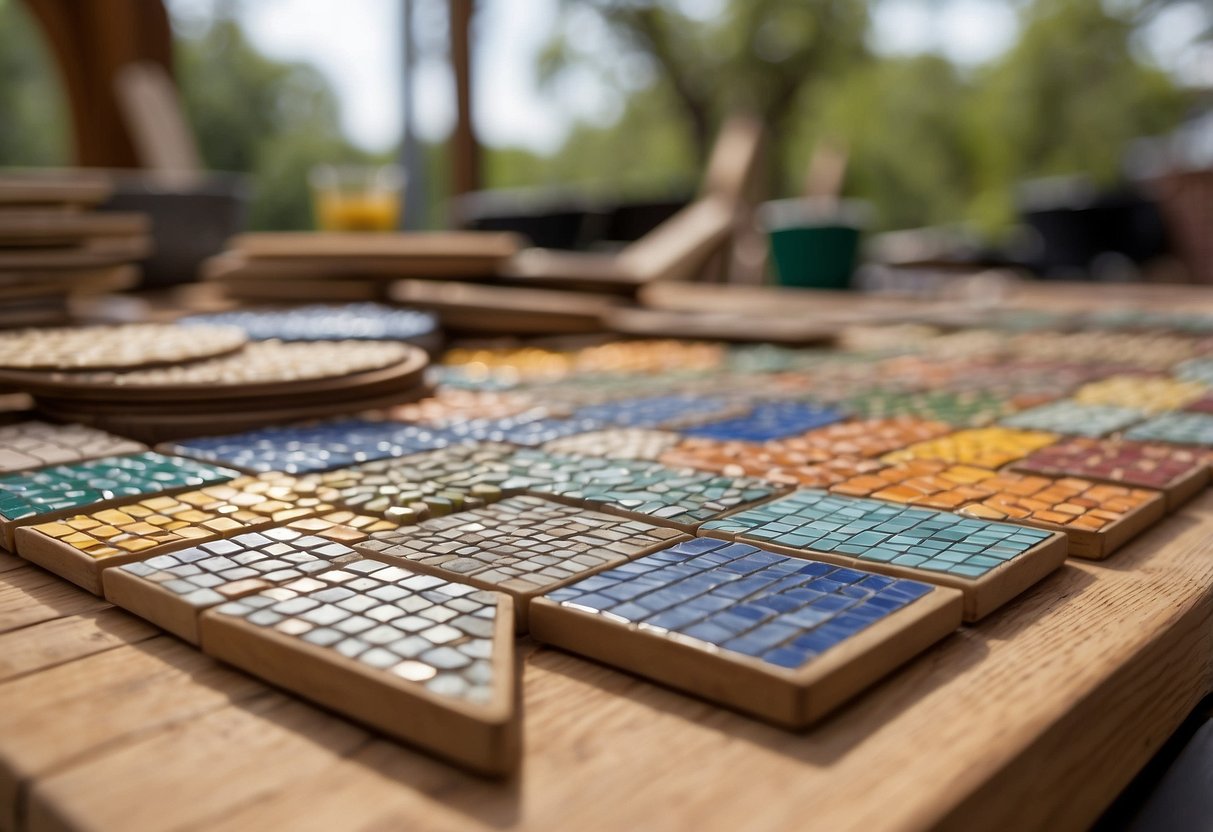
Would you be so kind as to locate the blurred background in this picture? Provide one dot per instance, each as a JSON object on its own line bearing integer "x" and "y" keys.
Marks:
{"x": 1074, "y": 137}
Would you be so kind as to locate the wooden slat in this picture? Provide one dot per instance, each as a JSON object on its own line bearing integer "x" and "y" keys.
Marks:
{"x": 30, "y": 596}
{"x": 35, "y": 648}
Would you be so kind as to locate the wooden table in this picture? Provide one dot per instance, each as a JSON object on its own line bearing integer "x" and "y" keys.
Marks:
{"x": 1036, "y": 718}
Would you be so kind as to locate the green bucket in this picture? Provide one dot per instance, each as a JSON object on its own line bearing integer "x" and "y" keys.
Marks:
{"x": 813, "y": 245}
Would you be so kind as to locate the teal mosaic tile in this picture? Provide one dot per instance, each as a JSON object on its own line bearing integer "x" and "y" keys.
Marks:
{"x": 879, "y": 532}
{"x": 1076, "y": 418}
{"x": 1183, "y": 428}
{"x": 78, "y": 486}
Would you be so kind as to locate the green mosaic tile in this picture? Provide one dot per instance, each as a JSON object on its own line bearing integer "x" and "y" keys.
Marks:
{"x": 67, "y": 487}
{"x": 879, "y": 532}
{"x": 679, "y": 496}
{"x": 1183, "y": 428}
{"x": 963, "y": 408}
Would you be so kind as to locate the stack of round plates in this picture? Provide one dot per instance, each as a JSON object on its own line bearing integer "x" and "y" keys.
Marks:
{"x": 160, "y": 381}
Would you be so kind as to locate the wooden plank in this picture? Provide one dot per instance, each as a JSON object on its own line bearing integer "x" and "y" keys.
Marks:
{"x": 8, "y": 562}
{"x": 31, "y": 596}
{"x": 52, "y": 718}
{"x": 219, "y": 760}
{"x": 62, "y": 640}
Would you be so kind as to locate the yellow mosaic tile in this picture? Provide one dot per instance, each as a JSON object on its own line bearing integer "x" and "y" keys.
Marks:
{"x": 1153, "y": 394}
{"x": 982, "y": 447}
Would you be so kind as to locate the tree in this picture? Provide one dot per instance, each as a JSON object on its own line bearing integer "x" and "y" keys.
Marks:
{"x": 34, "y": 129}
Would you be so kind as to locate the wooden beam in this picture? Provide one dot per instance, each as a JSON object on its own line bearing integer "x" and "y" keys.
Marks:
{"x": 465, "y": 152}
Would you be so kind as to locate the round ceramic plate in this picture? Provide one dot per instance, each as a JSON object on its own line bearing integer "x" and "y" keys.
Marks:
{"x": 123, "y": 347}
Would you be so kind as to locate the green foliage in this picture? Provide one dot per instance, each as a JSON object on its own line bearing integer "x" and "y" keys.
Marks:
{"x": 34, "y": 126}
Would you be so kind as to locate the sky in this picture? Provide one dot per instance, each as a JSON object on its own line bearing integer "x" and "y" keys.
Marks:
{"x": 356, "y": 45}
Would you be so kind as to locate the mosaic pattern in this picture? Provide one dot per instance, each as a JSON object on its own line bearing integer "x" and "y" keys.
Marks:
{"x": 875, "y": 531}
{"x": 767, "y": 421}
{"x": 79, "y": 486}
{"x": 37, "y": 444}
{"x": 1148, "y": 351}
{"x": 354, "y": 321}
{"x": 427, "y": 484}
{"x": 1069, "y": 416}
{"x": 962, "y": 408}
{"x": 450, "y": 404}
{"x": 307, "y": 448}
{"x": 1070, "y": 502}
{"x": 529, "y": 429}
{"x": 1198, "y": 370}
{"x": 1131, "y": 463}
{"x": 616, "y": 443}
{"x": 218, "y": 571}
{"x": 983, "y": 447}
{"x": 656, "y": 411}
{"x": 130, "y": 345}
{"x": 769, "y": 462}
{"x": 1202, "y": 405}
{"x": 864, "y": 438}
{"x": 521, "y": 545}
{"x": 1151, "y": 394}
{"x": 682, "y": 497}
{"x": 742, "y": 599}
{"x": 922, "y": 482}
{"x": 1179, "y": 428}
{"x": 418, "y": 628}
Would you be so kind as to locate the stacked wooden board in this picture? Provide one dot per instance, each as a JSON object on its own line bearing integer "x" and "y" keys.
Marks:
{"x": 770, "y": 529}
{"x": 54, "y": 244}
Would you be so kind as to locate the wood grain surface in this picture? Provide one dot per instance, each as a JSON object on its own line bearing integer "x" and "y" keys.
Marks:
{"x": 1034, "y": 718}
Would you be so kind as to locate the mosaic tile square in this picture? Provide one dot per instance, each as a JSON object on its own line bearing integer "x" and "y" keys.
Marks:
{"x": 412, "y": 488}
{"x": 1150, "y": 394}
{"x": 1196, "y": 369}
{"x": 1178, "y": 472}
{"x": 864, "y": 437}
{"x": 982, "y": 447}
{"x": 731, "y": 610}
{"x": 530, "y": 428}
{"x": 1073, "y": 417}
{"x": 616, "y": 443}
{"x": 990, "y": 562}
{"x": 962, "y": 408}
{"x": 172, "y": 589}
{"x": 424, "y": 660}
{"x": 1178, "y": 428}
{"x": 767, "y": 421}
{"x": 679, "y": 497}
{"x": 521, "y": 545}
{"x": 301, "y": 449}
{"x": 51, "y": 492}
{"x": 28, "y": 445}
{"x": 670, "y": 411}
{"x": 769, "y": 461}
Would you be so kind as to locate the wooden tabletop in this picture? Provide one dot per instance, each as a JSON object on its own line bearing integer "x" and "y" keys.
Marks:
{"x": 1035, "y": 718}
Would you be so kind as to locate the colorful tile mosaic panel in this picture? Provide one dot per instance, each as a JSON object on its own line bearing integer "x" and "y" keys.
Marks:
{"x": 418, "y": 628}
{"x": 1151, "y": 394}
{"x": 1070, "y": 502}
{"x": 1196, "y": 369}
{"x": 1072, "y": 417}
{"x": 354, "y": 321}
{"x": 1131, "y": 463}
{"x": 863, "y": 438}
{"x": 616, "y": 443}
{"x": 731, "y": 596}
{"x": 306, "y": 448}
{"x": 963, "y": 408}
{"x": 521, "y": 545}
{"x": 678, "y": 496}
{"x": 880, "y": 532}
{"x": 1179, "y": 428}
{"x": 770, "y": 462}
{"x": 931, "y": 483}
{"x": 1148, "y": 351}
{"x": 1202, "y": 405}
{"x": 656, "y": 411}
{"x": 427, "y": 484}
{"x": 767, "y": 421}
{"x": 27, "y": 445}
{"x": 982, "y": 447}
{"x": 80, "y": 485}
{"x": 530, "y": 429}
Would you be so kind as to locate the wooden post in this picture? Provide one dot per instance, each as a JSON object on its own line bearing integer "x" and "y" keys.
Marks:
{"x": 465, "y": 156}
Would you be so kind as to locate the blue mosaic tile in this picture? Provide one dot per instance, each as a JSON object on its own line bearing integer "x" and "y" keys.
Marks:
{"x": 307, "y": 448}
{"x": 1186, "y": 428}
{"x": 879, "y": 532}
{"x": 66, "y": 487}
{"x": 355, "y": 321}
{"x": 656, "y": 411}
{"x": 768, "y": 421}
{"x": 740, "y": 598}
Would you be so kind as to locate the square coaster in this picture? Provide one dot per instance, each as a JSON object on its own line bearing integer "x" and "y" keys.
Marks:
{"x": 989, "y": 562}
{"x": 301, "y": 449}
{"x": 79, "y": 547}
{"x": 961, "y": 408}
{"x": 1072, "y": 417}
{"x": 28, "y": 445}
{"x": 1196, "y": 369}
{"x": 172, "y": 590}
{"x": 669, "y": 411}
{"x": 864, "y": 438}
{"x": 423, "y": 660}
{"x": 982, "y": 447}
{"x": 767, "y": 421}
{"x": 1180, "y": 473}
{"x": 55, "y": 492}
{"x": 529, "y": 429}
{"x": 768, "y": 461}
{"x": 427, "y": 484}
{"x": 931, "y": 483}
{"x": 522, "y": 545}
{"x": 1178, "y": 428}
{"x": 782, "y": 638}
{"x": 616, "y": 443}
{"x": 681, "y": 498}
{"x": 1151, "y": 394}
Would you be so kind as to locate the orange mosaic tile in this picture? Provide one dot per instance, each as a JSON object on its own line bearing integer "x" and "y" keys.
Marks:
{"x": 864, "y": 438}
{"x": 814, "y": 468}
